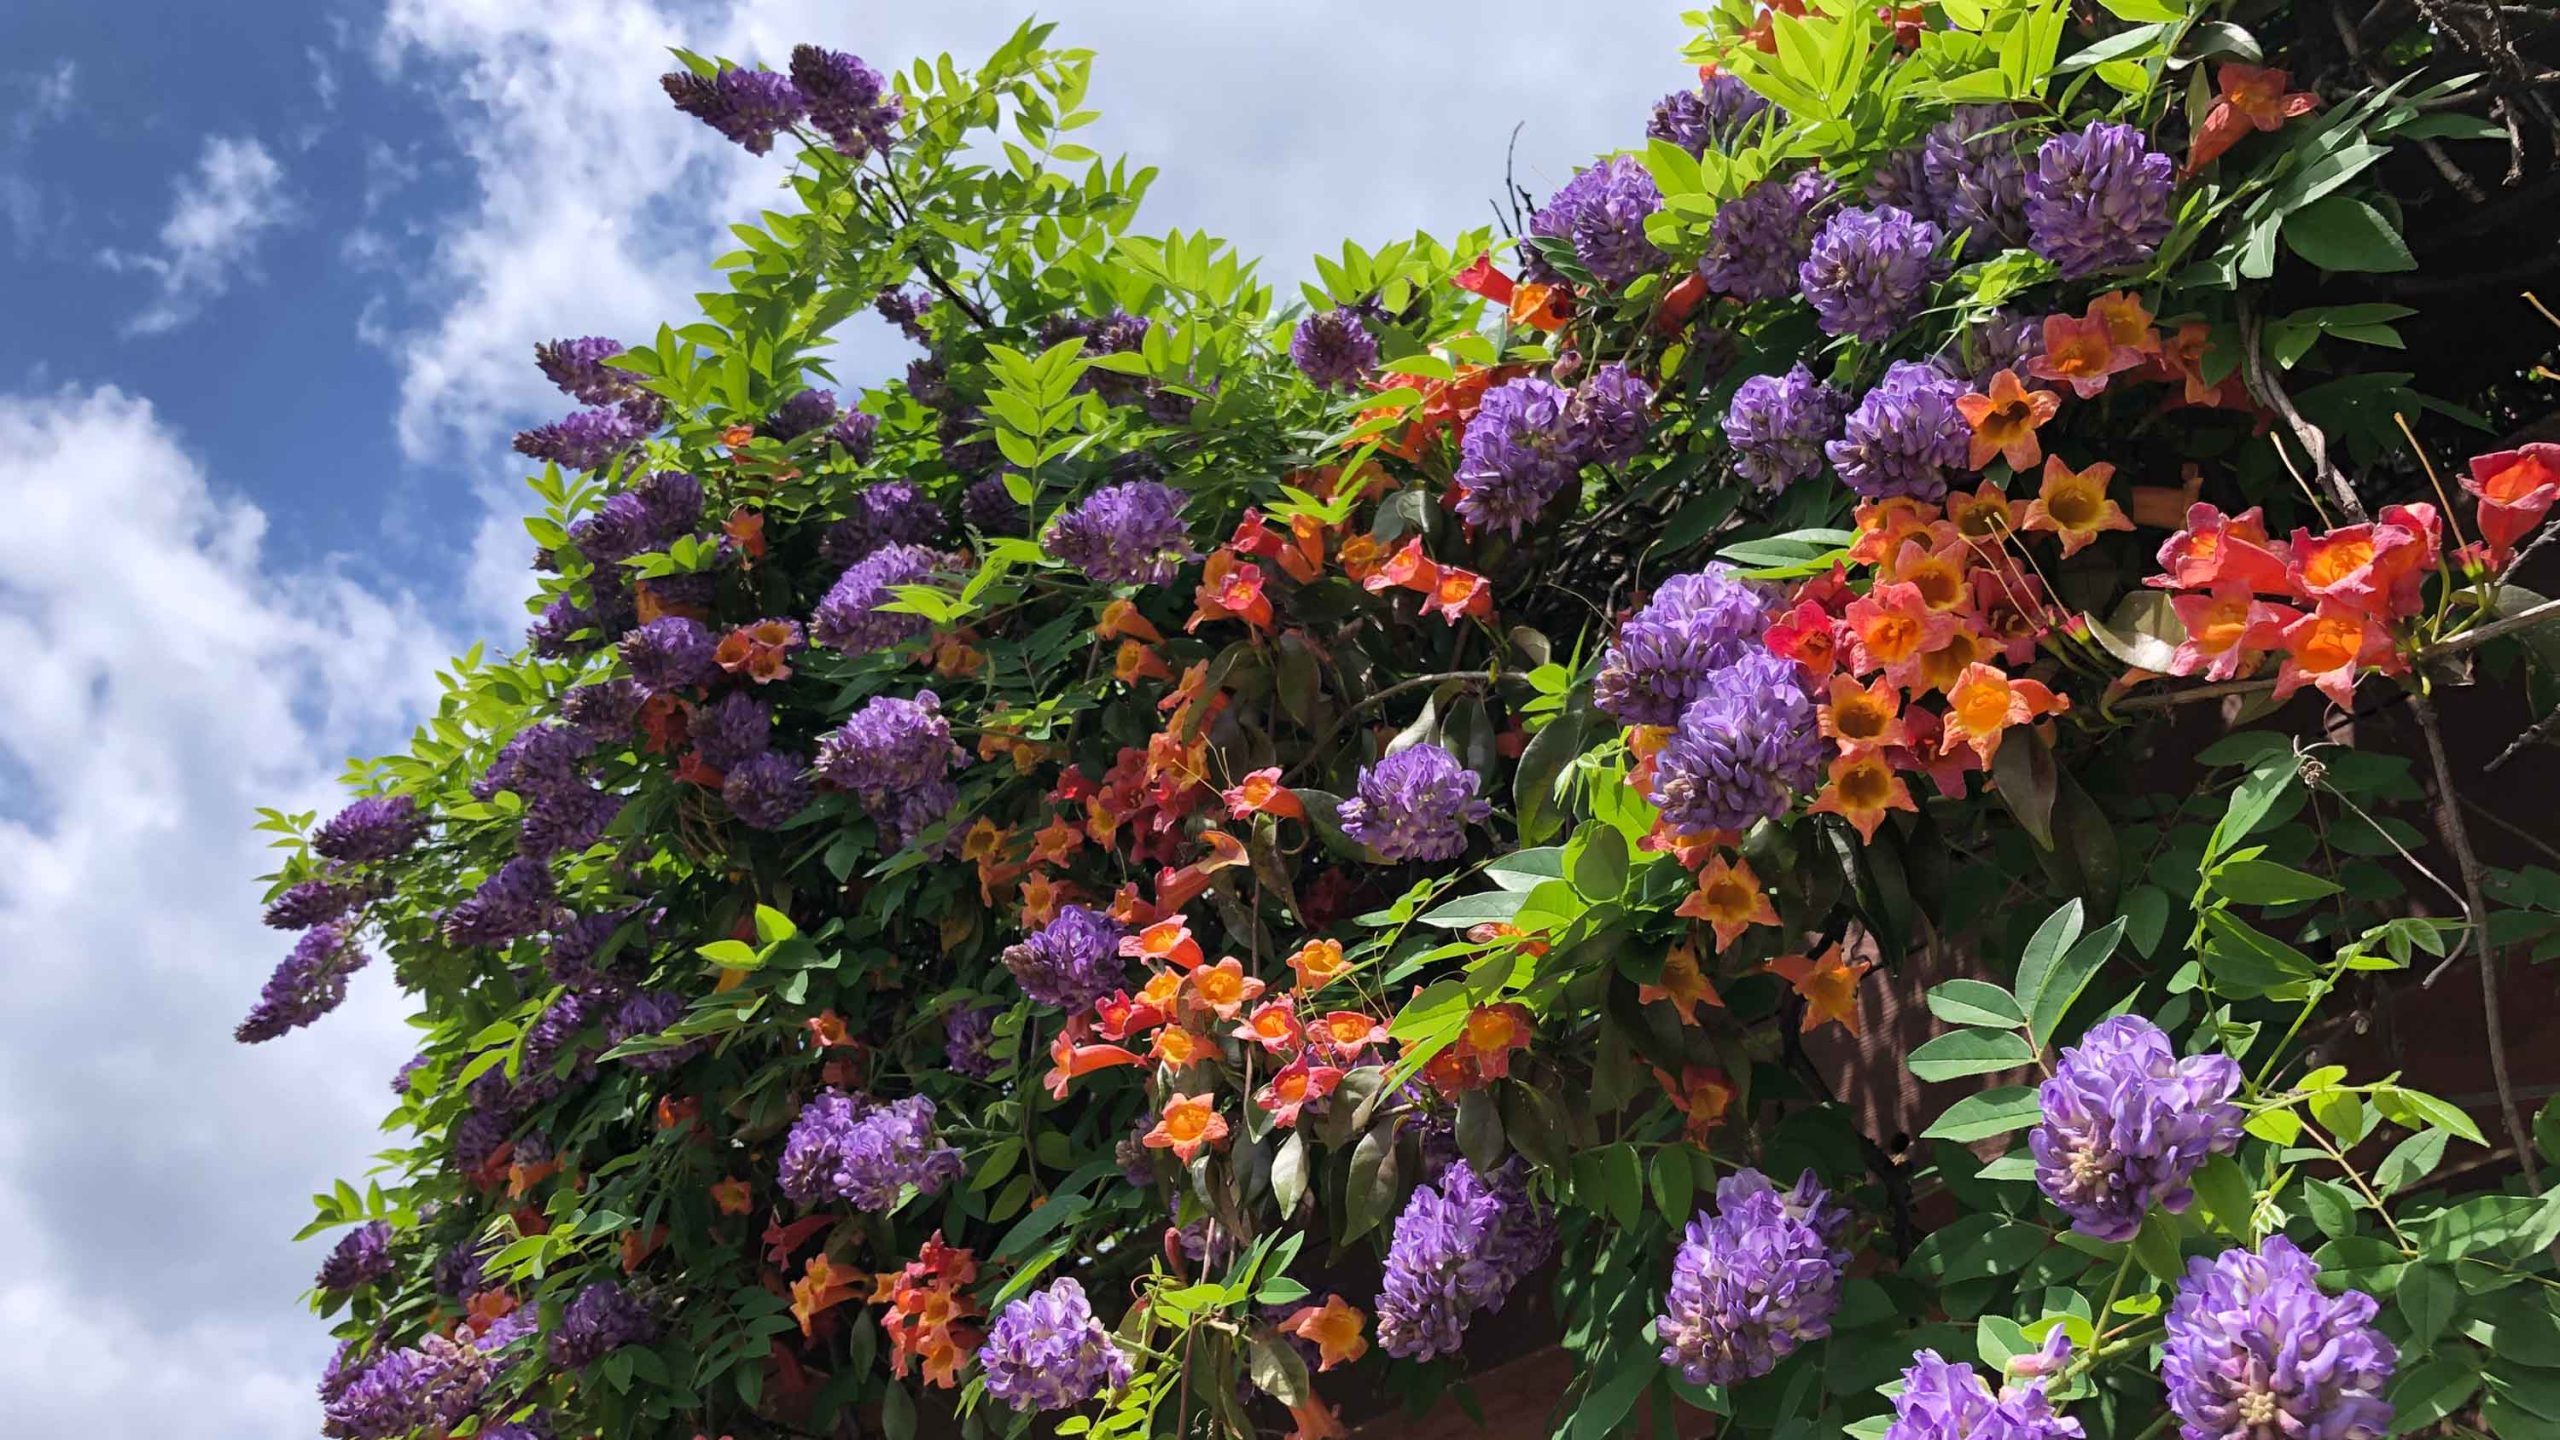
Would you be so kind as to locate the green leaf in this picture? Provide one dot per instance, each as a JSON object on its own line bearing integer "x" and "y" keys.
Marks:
{"x": 2045, "y": 950}
{"x": 2340, "y": 232}
{"x": 1992, "y": 1112}
{"x": 2428, "y": 1297}
{"x": 2433, "y": 1389}
{"x": 730, "y": 954}
{"x": 2229, "y": 1200}
{"x": 2419, "y": 1106}
{"x": 2264, "y": 882}
{"x": 1289, "y": 1174}
{"x": 2155, "y": 1247}
{"x": 2332, "y": 1208}
{"x": 1969, "y": 1052}
{"x": 1622, "y": 1184}
{"x": 1373, "y": 1187}
{"x": 2070, "y": 975}
{"x": 2409, "y": 1162}
{"x": 1674, "y": 1184}
{"x": 1975, "y": 1002}
{"x": 1598, "y": 859}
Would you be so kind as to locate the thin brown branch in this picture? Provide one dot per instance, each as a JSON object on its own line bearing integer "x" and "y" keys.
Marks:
{"x": 2271, "y": 393}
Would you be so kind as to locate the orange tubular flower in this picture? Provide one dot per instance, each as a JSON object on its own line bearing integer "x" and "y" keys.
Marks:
{"x": 1482, "y": 279}
{"x": 2516, "y": 489}
{"x": 1890, "y": 626}
{"x": 1986, "y": 517}
{"x": 1318, "y": 963}
{"x": 1178, "y": 1046}
{"x": 2216, "y": 547}
{"x": 2228, "y": 628}
{"x": 1121, "y": 621}
{"x": 1538, "y": 307}
{"x": 1055, "y": 843}
{"x": 2347, "y": 567}
{"x": 2252, "y": 98}
{"x": 1829, "y": 987}
{"x": 1162, "y": 989}
{"x": 1407, "y": 569}
{"x": 1457, "y": 594}
{"x": 1702, "y": 1093}
{"x": 1938, "y": 573}
{"x": 1069, "y": 1060}
{"x": 1333, "y": 1328}
{"x": 1188, "y": 1124}
{"x": 1683, "y": 984}
{"x": 1137, "y": 661}
{"x": 1117, "y": 1016}
{"x": 1230, "y": 589}
{"x": 1807, "y": 635}
{"x": 1224, "y": 987}
{"x": 1882, "y": 524}
{"x": 1168, "y": 940}
{"x": 1491, "y": 1033}
{"x": 1729, "y": 899}
{"x": 1274, "y": 1026}
{"x": 1316, "y": 1420}
{"x": 1348, "y": 1032}
{"x": 2004, "y": 420}
{"x": 2073, "y": 505}
{"x": 1986, "y": 702}
{"x": 759, "y": 651}
{"x": 2328, "y": 648}
{"x": 732, "y": 1197}
{"x": 1941, "y": 668}
{"x": 1261, "y": 793}
{"x": 1862, "y": 718}
{"x": 1294, "y": 1085}
{"x": 822, "y": 1286}
{"x": 1254, "y": 538}
{"x": 2083, "y": 354}
{"x": 2128, "y": 324}
{"x": 1303, "y": 559}
{"x": 1862, "y": 788}
{"x": 1361, "y": 557}
{"x": 1041, "y": 897}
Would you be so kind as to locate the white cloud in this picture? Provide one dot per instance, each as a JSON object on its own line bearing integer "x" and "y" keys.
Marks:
{"x": 24, "y": 209}
{"x": 166, "y": 679}
{"x": 219, "y": 214}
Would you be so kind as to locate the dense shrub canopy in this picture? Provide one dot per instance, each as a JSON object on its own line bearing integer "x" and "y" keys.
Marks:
{"x": 1151, "y": 875}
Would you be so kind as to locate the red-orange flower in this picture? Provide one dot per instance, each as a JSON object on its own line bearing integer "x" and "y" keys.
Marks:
{"x": 1261, "y": 793}
{"x": 1482, "y": 279}
{"x": 2215, "y": 548}
{"x": 2252, "y": 98}
{"x": 1829, "y": 987}
{"x": 1890, "y": 626}
{"x": 1701, "y": 1094}
{"x": 1230, "y": 589}
{"x": 1168, "y": 941}
{"x": 1861, "y": 789}
{"x": 1682, "y": 983}
{"x": 1274, "y": 1026}
{"x": 2083, "y": 354}
{"x": 1348, "y": 1032}
{"x": 2516, "y": 489}
{"x": 759, "y": 651}
{"x": 1333, "y": 1328}
{"x": 1224, "y": 987}
{"x": 2073, "y": 504}
{"x": 1729, "y": 898}
{"x": 1808, "y": 635}
{"x": 1296, "y": 1085}
{"x": 1069, "y": 1060}
{"x": 1319, "y": 963}
{"x": 2004, "y": 420}
{"x": 1457, "y": 594}
{"x": 2228, "y": 628}
{"x": 1986, "y": 702}
{"x": 2329, "y": 648}
{"x": 822, "y": 1286}
{"x": 1862, "y": 718}
{"x": 1121, "y": 621}
{"x": 1187, "y": 1124}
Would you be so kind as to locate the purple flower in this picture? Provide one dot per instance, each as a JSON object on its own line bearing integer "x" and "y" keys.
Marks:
{"x": 1666, "y": 653}
{"x": 1046, "y": 1351}
{"x": 1459, "y": 1247}
{"x": 582, "y": 439}
{"x": 2127, "y": 1124}
{"x": 1710, "y": 116}
{"x": 577, "y": 367}
{"x": 601, "y": 1319}
{"x": 2000, "y": 340}
{"x": 1869, "y": 270}
{"x": 2098, "y": 199}
{"x": 1753, "y": 1280}
{"x": 517, "y": 900}
{"x": 989, "y": 508}
{"x": 865, "y": 1152}
{"x": 605, "y": 709}
{"x": 893, "y": 512}
{"x": 1608, "y": 222}
{"x": 554, "y": 1034}
{"x": 1941, "y": 1400}
{"x": 2255, "y": 1349}
{"x": 1905, "y": 435}
{"x": 732, "y": 730}
{"x": 1777, "y": 425}
{"x": 855, "y": 432}
{"x": 1518, "y": 455}
{"x": 847, "y": 99}
{"x": 1129, "y": 534}
{"x": 576, "y": 945}
{"x": 1902, "y": 182}
{"x": 896, "y": 755}
{"x": 672, "y": 652}
{"x": 747, "y": 106}
{"x": 476, "y": 1137}
{"x": 361, "y": 1256}
{"x": 571, "y": 818}
{"x": 1742, "y": 748}
{"x": 564, "y": 629}
{"x": 1333, "y": 349}
{"x": 1977, "y": 181}
{"x": 1606, "y": 420}
{"x": 1415, "y": 805}
{"x": 408, "y": 1072}
{"x": 848, "y": 620}
{"x": 906, "y": 307}
{"x": 400, "y": 1391}
{"x": 651, "y": 1012}
{"x": 767, "y": 790}
{"x": 968, "y": 1040}
{"x": 1071, "y": 961}
{"x": 314, "y": 902}
{"x": 1760, "y": 237}
{"x": 535, "y": 760}
{"x": 805, "y": 411}
{"x": 378, "y": 827}
{"x": 462, "y": 1269}
{"x": 310, "y": 982}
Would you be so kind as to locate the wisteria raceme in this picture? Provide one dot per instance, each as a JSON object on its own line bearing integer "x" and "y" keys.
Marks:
{"x": 1742, "y": 749}
{"x": 602, "y": 1318}
{"x": 572, "y": 817}
{"x": 848, "y": 619}
{"x": 1905, "y": 436}
{"x": 517, "y": 899}
{"x": 1708, "y": 117}
{"x": 1518, "y": 455}
{"x": 2256, "y": 1348}
{"x": 806, "y": 410}
{"x": 2003, "y": 340}
{"x": 1692, "y": 628}
{"x": 1778, "y": 424}
{"x": 906, "y": 307}
{"x": 1128, "y": 534}
{"x": 314, "y": 902}
{"x": 1868, "y": 271}
{"x": 395, "y": 1392}
{"x": 848, "y": 101}
{"x": 361, "y": 1256}
{"x": 579, "y": 942}
{"x": 1902, "y": 182}
{"x": 731, "y": 730}
{"x": 893, "y": 512}
{"x": 767, "y": 790}
{"x": 537, "y": 760}
{"x": 1977, "y": 180}
{"x": 968, "y": 1041}
{"x": 896, "y": 755}
{"x": 1047, "y": 1351}
{"x": 856, "y": 432}
{"x": 378, "y": 827}
{"x": 1459, "y": 1248}
{"x": 749, "y": 107}
{"x": 2127, "y": 1124}
{"x": 672, "y": 652}
{"x": 553, "y": 1032}
{"x": 1753, "y": 1280}
{"x": 1333, "y": 349}
{"x": 651, "y": 1012}
{"x": 1941, "y": 1400}
{"x": 1415, "y": 805}
{"x": 583, "y": 439}
{"x": 577, "y": 367}
{"x": 1071, "y": 961}
{"x": 1608, "y": 222}
{"x": 865, "y": 1152}
{"x": 1759, "y": 238}
{"x": 989, "y": 508}
{"x": 2098, "y": 199}
{"x": 461, "y": 1270}
{"x": 1607, "y": 418}
{"x": 310, "y": 982}
{"x": 476, "y": 1138}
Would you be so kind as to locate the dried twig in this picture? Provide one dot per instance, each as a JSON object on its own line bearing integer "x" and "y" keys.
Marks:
{"x": 2271, "y": 393}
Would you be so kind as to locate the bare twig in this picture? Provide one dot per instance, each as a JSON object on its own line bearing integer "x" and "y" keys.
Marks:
{"x": 2454, "y": 175}
{"x": 2534, "y": 735}
{"x": 1342, "y": 722}
{"x": 2271, "y": 393}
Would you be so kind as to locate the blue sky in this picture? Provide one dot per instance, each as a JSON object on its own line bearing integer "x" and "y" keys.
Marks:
{"x": 270, "y": 275}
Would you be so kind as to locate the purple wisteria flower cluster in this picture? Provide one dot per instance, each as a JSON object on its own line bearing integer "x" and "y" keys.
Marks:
{"x": 600, "y": 1319}
{"x": 374, "y": 829}
{"x": 361, "y": 1256}
{"x": 1761, "y": 237}
{"x": 1415, "y": 804}
{"x": 1129, "y": 534}
{"x": 661, "y": 507}
{"x": 1742, "y": 749}
{"x": 1708, "y": 117}
{"x": 1047, "y": 1351}
{"x": 1530, "y": 439}
{"x": 1666, "y": 653}
{"x": 1333, "y": 349}
{"x": 848, "y": 101}
{"x": 804, "y": 411}
{"x": 2256, "y": 1348}
{"x": 1906, "y": 435}
{"x": 1459, "y": 1248}
{"x": 749, "y": 107}
{"x": 578, "y": 367}
{"x": 906, "y": 306}
{"x": 848, "y": 618}
{"x": 517, "y": 899}
{"x": 1753, "y": 1280}
{"x": 588, "y": 439}
{"x": 1868, "y": 271}
{"x": 865, "y": 1152}
{"x": 893, "y": 512}
{"x": 1942, "y": 1400}
{"x": 2098, "y": 199}
{"x": 1778, "y": 425}
{"x": 2127, "y": 1124}
{"x": 435, "y": 1383}
{"x": 769, "y": 790}
{"x": 896, "y": 756}
{"x": 1070, "y": 962}
{"x": 316, "y": 902}
{"x": 652, "y": 1012}
{"x": 308, "y": 983}
{"x": 672, "y": 652}
{"x": 1977, "y": 180}
{"x": 969, "y": 1039}
{"x": 1600, "y": 213}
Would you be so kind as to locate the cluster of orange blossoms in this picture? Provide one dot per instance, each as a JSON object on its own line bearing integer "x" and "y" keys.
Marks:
{"x": 929, "y": 1320}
